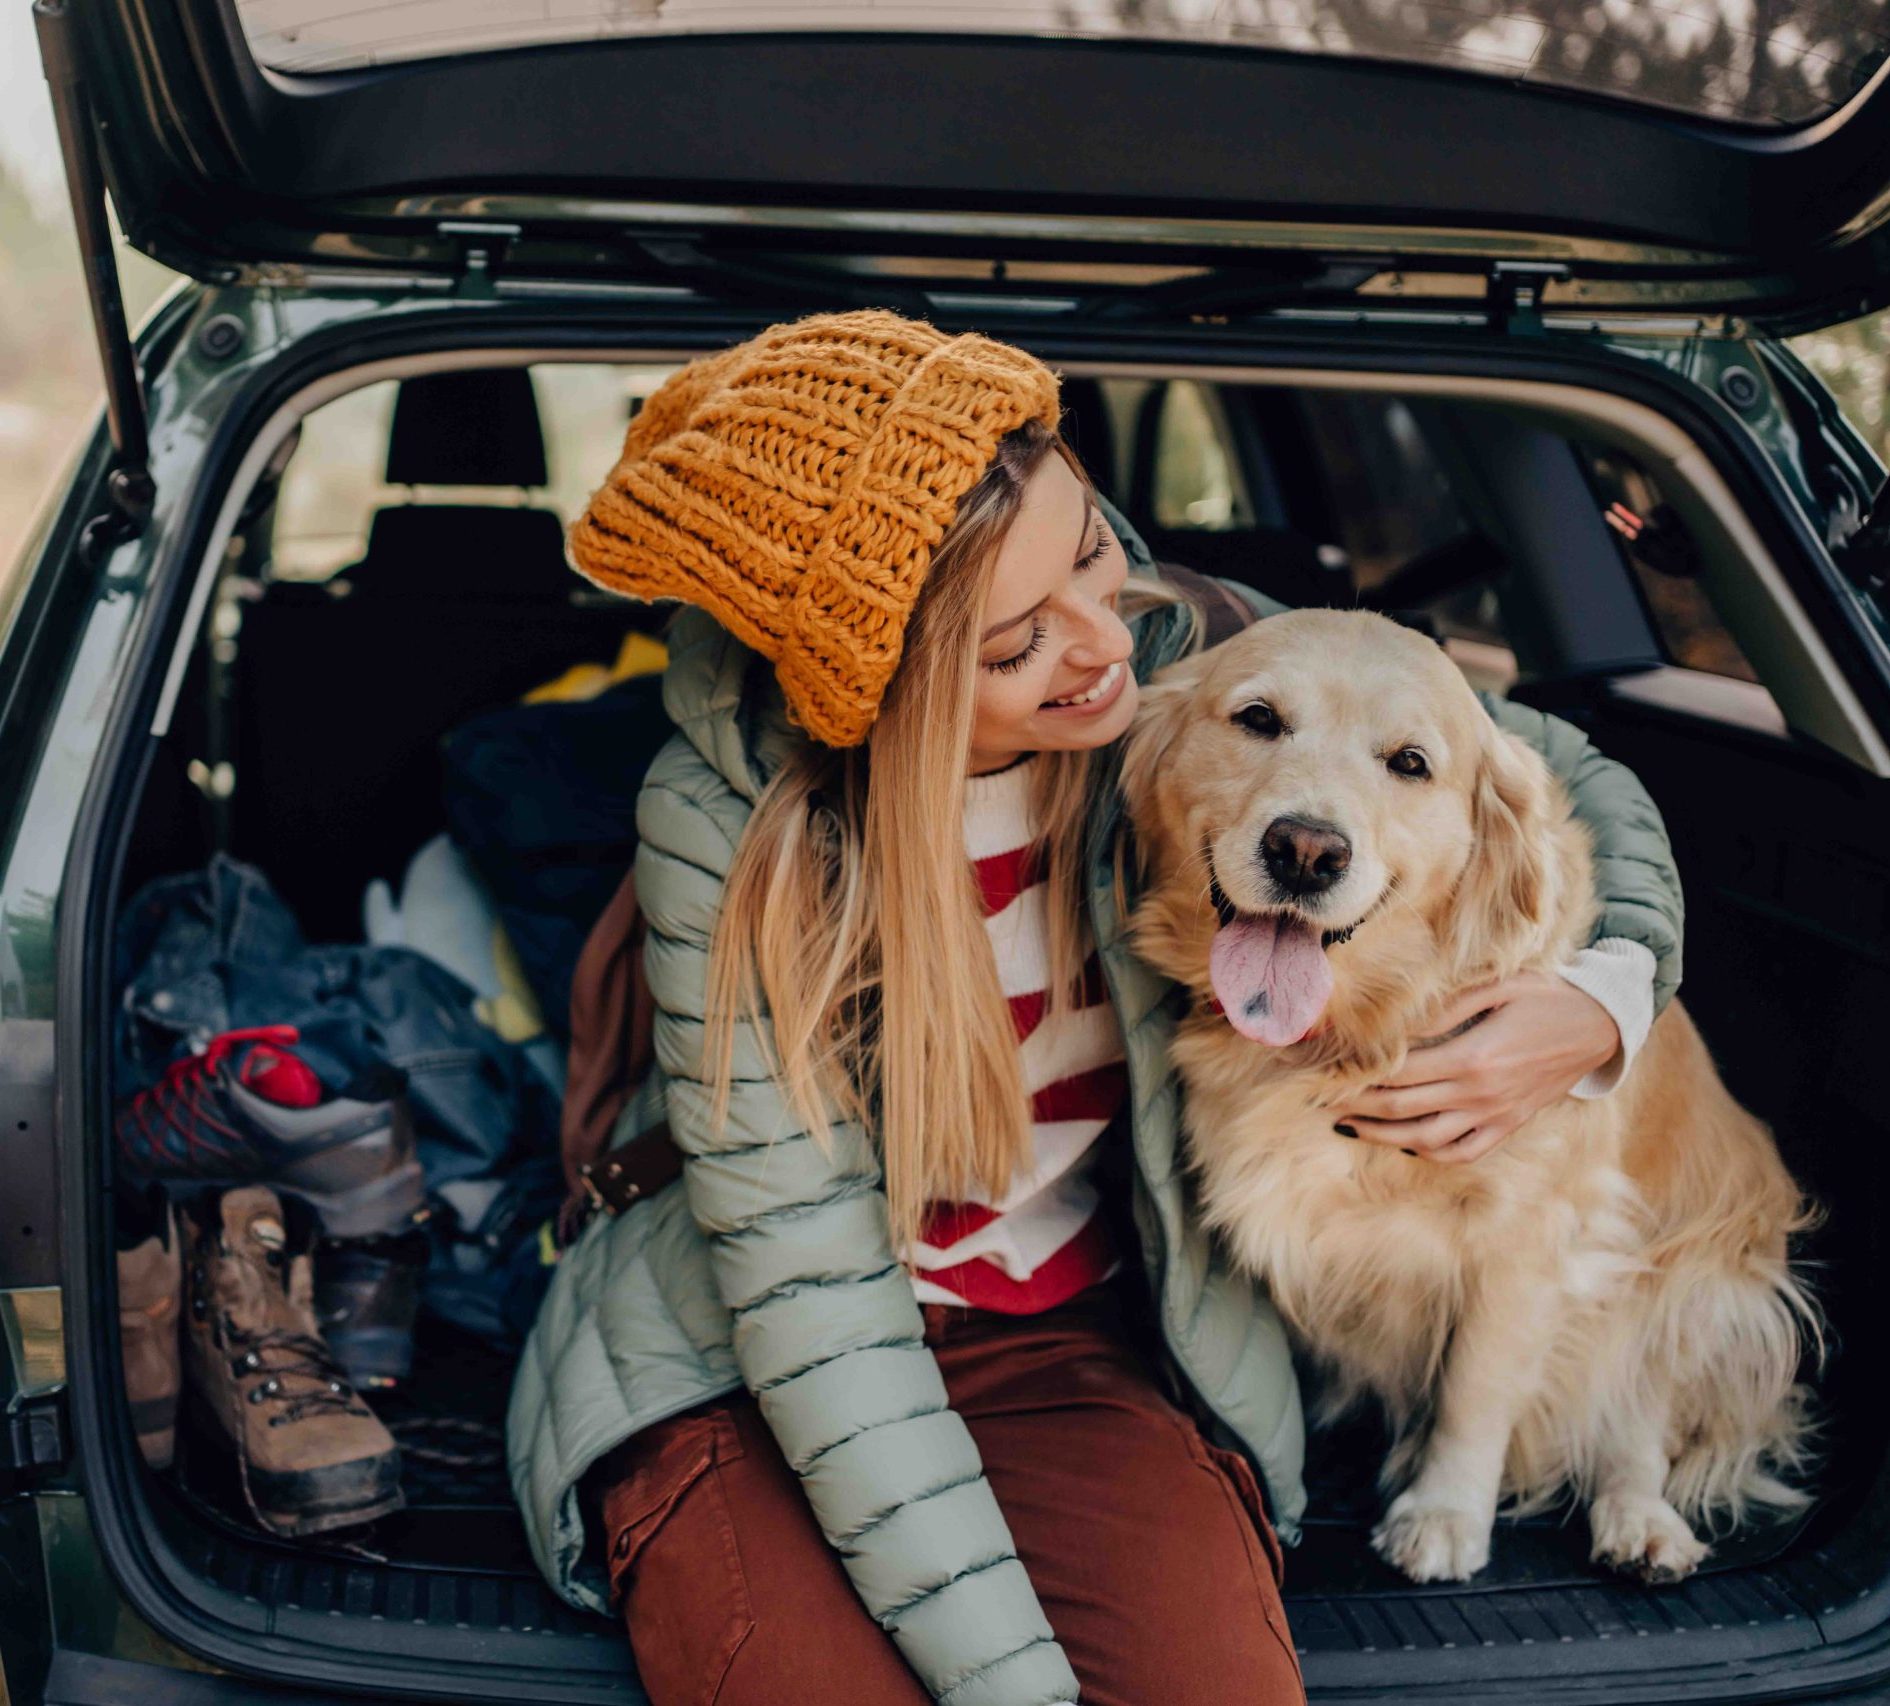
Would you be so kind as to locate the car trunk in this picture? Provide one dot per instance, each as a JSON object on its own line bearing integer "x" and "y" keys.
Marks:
{"x": 1781, "y": 846}
{"x": 1134, "y": 190}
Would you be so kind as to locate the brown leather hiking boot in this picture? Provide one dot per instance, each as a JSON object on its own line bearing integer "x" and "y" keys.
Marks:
{"x": 150, "y": 1288}
{"x": 311, "y": 1455}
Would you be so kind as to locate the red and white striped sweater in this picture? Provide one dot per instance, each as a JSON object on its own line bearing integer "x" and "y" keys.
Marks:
{"x": 1046, "y": 1239}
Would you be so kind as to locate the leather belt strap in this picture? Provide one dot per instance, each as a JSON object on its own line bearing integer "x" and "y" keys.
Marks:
{"x": 633, "y": 1170}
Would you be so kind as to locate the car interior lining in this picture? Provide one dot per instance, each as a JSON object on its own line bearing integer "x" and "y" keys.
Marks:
{"x": 1781, "y": 971}
{"x": 294, "y": 157}
{"x": 1742, "y": 579}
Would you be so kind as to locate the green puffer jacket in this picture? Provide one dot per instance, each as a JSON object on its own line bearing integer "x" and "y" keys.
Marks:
{"x": 771, "y": 1267}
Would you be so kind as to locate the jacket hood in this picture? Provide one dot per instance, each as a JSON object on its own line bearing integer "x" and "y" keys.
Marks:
{"x": 724, "y": 699}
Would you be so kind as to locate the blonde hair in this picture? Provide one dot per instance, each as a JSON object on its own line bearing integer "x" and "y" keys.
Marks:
{"x": 852, "y": 916}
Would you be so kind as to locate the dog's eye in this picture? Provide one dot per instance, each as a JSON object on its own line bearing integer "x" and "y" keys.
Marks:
{"x": 1259, "y": 719}
{"x": 1408, "y": 761}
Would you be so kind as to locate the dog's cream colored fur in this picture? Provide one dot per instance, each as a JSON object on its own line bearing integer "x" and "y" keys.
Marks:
{"x": 1602, "y": 1304}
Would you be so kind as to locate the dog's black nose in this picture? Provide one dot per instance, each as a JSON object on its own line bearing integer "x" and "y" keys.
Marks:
{"x": 1304, "y": 856}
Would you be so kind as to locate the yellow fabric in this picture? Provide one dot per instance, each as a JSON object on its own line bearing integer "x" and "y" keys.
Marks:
{"x": 639, "y": 654}
{"x": 514, "y": 1011}
{"x": 794, "y": 487}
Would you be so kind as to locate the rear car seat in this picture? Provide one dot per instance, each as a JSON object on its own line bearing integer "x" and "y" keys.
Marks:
{"x": 1274, "y": 560}
{"x": 343, "y": 689}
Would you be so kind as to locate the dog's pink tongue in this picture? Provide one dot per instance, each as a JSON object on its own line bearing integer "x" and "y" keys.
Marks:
{"x": 1271, "y": 976}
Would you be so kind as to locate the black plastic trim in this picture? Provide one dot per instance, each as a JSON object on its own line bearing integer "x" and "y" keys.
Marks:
{"x": 84, "y": 1679}
{"x": 1577, "y": 612}
{"x": 29, "y": 1211}
{"x": 33, "y": 659}
{"x": 430, "y": 1661}
{"x": 215, "y": 158}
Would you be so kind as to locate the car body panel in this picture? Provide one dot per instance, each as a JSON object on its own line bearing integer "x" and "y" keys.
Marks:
{"x": 734, "y": 146}
{"x": 1787, "y": 65}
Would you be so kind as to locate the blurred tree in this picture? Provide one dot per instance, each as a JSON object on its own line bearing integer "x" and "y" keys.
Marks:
{"x": 1854, "y": 361}
{"x": 49, "y": 374}
{"x": 1763, "y": 61}
{"x": 39, "y": 266}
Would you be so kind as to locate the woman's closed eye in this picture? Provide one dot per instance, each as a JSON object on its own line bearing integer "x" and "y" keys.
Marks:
{"x": 1017, "y": 660}
{"x": 1101, "y": 550}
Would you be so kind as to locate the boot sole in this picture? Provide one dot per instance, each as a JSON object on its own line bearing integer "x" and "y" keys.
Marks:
{"x": 301, "y": 1502}
{"x": 295, "y": 1503}
{"x": 374, "y": 1209}
{"x": 155, "y": 1420}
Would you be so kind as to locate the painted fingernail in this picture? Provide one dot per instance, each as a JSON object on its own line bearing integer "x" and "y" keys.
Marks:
{"x": 1345, "y": 1131}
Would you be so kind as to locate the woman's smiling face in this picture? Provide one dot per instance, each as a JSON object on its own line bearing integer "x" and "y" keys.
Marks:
{"x": 1053, "y": 669}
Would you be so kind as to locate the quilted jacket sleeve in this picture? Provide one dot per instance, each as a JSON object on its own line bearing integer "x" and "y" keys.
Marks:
{"x": 827, "y": 1332}
{"x": 1635, "y": 879}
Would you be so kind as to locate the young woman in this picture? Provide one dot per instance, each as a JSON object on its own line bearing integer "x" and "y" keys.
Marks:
{"x": 924, "y": 1385}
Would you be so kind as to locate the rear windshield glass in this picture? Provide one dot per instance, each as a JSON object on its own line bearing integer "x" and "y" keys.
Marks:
{"x": 1770, "y": 62}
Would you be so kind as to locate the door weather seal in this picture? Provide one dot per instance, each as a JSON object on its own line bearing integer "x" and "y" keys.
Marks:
{"x": 128, "y": 487}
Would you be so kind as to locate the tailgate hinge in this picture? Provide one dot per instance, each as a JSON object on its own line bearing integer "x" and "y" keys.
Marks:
{"x": 36, "y": 1442}
{"x": 129, "y": 491}
{"x": 482, "y": 246}
{"x": 1514, "y": 293}
{"x": 1864, "y": 558}
{"x": 35, "y": 1435}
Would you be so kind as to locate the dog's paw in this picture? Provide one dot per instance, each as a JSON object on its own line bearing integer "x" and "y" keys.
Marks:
{"x": 1431, "y": 1542}
{"x": 1645, "y": 1537}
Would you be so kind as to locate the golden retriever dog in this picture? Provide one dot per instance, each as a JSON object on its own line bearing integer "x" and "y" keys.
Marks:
{"x": 1337, "y": 840}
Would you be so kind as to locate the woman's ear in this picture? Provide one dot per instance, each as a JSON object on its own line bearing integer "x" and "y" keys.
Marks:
{"x": 1503, "y": 898}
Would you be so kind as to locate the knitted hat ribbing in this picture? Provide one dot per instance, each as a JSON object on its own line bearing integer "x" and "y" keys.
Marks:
{"x": 794, "y": 487}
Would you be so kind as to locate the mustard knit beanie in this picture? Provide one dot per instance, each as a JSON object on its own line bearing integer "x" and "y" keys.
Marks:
{"x": 794, "y": 487}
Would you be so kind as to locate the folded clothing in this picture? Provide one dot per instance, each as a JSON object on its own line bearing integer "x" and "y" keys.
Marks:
{"x": 217, "y": 950}
{"x": 213, "y": 951}
{"x": 542, "y": 800}
{"x": 444, "y": 912}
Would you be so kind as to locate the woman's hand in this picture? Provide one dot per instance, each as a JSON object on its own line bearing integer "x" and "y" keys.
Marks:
{"x": 1457, "y": 1100}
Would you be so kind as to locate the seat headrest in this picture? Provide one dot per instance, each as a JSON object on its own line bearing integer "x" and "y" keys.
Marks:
{"x": 477, "y": 427}
{"x": 456, "y": 554}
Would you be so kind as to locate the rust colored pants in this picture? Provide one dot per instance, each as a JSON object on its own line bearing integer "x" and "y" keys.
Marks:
{"x": 1147, "y": 1546}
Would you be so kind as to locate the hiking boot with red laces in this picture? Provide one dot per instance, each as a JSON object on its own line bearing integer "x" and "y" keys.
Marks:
{"x": 249, "y": 1110}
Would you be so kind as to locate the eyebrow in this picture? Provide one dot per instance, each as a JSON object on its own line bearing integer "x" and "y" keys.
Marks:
{"x": 991, "y": 633}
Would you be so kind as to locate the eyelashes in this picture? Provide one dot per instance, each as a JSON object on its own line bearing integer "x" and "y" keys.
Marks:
{"x": 1004, "y": 666}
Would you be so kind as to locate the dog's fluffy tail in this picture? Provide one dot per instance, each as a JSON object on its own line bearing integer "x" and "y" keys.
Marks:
{"x": 1727, "y": 1328}
{"x": 1738, "y": 1343}
{"x": 1737, "y": 1330}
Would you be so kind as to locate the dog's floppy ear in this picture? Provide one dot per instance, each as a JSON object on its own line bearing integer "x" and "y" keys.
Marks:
{"x": 1161, "y": 716}
{"x": 1504, "y": 896}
